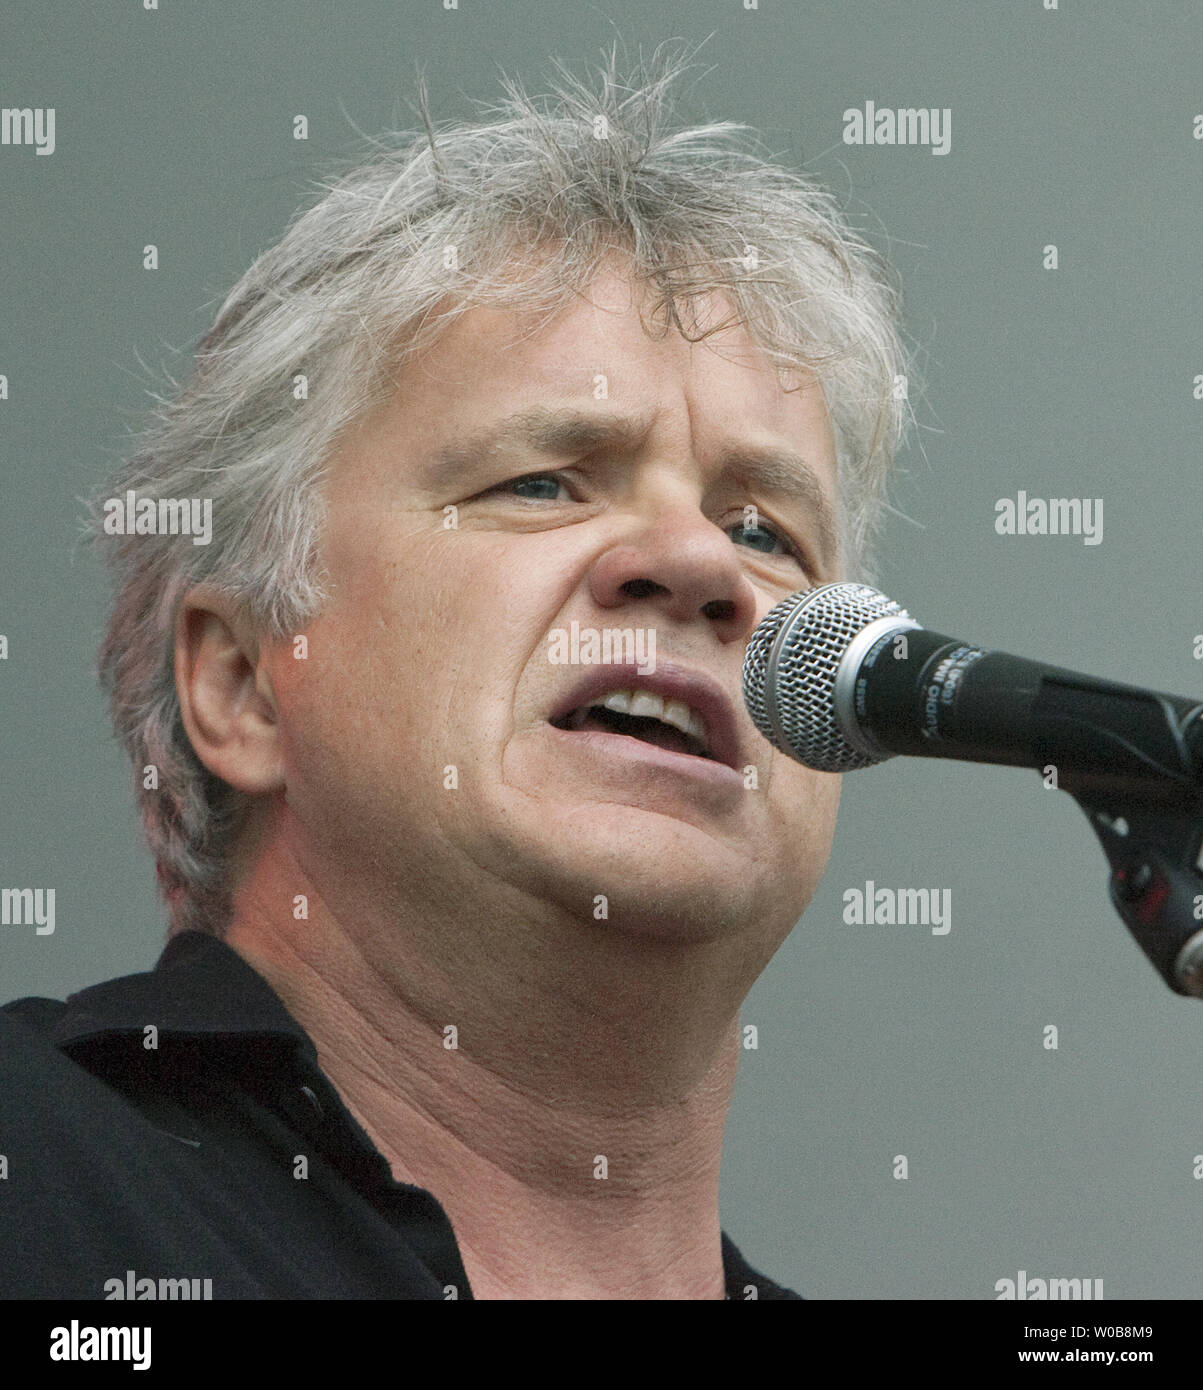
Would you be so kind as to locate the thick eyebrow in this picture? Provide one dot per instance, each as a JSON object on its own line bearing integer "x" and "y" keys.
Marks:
{"x": 559, "y": 433}
{"x": 553, "y": 432}
{"x": 789, "y": 476}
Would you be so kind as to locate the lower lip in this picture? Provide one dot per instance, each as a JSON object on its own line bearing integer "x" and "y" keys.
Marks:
{"x": 622, "y": 748}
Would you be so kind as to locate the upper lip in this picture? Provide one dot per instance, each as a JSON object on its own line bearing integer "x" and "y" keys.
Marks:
{"x": 672, "y": 682}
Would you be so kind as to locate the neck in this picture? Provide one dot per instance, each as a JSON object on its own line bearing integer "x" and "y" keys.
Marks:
{"x": 559, "y": 1087}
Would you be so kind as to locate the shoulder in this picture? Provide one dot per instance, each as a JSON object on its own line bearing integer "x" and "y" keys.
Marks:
{"x": 745, "y": 1284}
{"x": 55, "y": 1111}
{"x": 74, "y": 1162}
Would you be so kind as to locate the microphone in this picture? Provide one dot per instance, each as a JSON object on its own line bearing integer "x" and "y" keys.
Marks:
{"x": 841, "y": 677}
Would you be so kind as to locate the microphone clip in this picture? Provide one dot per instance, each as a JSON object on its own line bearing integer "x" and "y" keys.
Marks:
{"x": 1156, "y": 858}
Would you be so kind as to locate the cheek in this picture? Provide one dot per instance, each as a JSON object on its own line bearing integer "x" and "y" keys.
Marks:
{"x": 804, "y": 804}
{"x": 405, "y": 672}
{"x": 814, "y": 833}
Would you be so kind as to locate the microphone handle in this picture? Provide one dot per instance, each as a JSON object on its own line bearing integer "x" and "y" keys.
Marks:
{"x": 925, "y": 694}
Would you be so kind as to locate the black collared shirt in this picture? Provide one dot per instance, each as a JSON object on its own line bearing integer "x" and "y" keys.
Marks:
{"x": 221, "y": 1154}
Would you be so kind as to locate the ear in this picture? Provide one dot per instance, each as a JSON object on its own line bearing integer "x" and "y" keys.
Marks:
{"x": 225, "y": 692}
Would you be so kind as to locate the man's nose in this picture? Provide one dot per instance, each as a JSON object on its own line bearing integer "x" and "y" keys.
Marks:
{"x": 681, "y": 565}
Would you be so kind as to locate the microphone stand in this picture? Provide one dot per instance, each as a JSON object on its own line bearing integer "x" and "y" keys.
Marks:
{"x": 1146, "y": 807}
{"x": 1156, "y": 857}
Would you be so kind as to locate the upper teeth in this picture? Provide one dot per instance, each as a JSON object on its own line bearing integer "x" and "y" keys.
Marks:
{"x": 646, "y": 705}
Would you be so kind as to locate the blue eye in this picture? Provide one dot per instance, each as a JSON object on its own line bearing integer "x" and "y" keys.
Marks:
{"x": 541, "y": 487}
{"x": 760, "y": 537}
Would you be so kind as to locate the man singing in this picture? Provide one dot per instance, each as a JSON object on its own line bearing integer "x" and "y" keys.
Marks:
{"x": 471, "y": 850}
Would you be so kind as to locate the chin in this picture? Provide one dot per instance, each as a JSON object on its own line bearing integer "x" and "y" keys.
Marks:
{"x": 661, "y": 880}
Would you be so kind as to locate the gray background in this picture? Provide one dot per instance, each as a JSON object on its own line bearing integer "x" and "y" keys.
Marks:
{"x": 1071, "y": 127}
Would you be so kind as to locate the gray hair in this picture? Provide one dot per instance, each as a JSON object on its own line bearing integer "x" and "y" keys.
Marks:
{"x": 520, "y": 209}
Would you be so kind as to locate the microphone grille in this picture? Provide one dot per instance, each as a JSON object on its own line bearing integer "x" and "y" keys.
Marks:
{"x": 790, "y": 671}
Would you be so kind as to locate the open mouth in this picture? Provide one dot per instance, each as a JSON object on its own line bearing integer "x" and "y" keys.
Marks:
{"x": 642, "y": 715}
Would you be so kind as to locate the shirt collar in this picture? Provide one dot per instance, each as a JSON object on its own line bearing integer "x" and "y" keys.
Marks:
{"x": 200, "y": 988}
